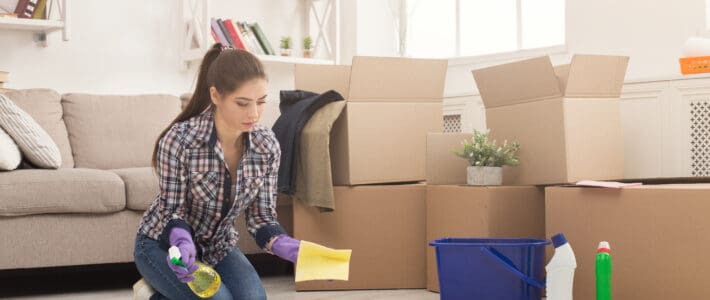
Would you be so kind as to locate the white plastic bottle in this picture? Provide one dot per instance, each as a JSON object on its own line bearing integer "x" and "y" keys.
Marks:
{"x": 560, "y": 270}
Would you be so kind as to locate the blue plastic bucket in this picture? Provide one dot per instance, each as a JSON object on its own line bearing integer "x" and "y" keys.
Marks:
{"x": 490, "y": 268}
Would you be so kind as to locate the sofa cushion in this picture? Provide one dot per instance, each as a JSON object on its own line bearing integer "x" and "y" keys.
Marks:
{"x": 34, "y": 142}
{"x": 34, "y": 191}
{"x": 10, "y": 155}
{"x": 141, "y": 187}
{"x": 114, "y": 132}
{"x": 44, "y": 106}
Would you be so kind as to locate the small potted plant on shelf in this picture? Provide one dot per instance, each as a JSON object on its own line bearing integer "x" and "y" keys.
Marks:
{"x": 307, "y": 47}
{"x": 286, "y": 46}
{"x": 486, "y": 160}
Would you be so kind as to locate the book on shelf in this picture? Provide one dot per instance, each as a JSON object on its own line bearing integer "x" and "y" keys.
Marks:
{"x": 26, "y": 8}
{"x": 39, "y": 10}
{"x": 251, "y": 39}
{"x": 225, "y": 32}
{"x": 241, "y": 35}
{"x": 261, "y": 37}
{"x": 217, "y": 30}
{"x": 245, "y": 37}
{"x": 233, "y": 34}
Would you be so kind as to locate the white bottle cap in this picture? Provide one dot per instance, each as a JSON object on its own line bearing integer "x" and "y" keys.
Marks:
{"x": 604, "y": 245}
{"x": 174, "y": 252}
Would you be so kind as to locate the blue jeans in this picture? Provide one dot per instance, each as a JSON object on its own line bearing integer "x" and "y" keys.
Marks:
{"x": 239, "y": 279}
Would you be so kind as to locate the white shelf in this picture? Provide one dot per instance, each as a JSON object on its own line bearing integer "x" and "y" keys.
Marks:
{"x": 197, "y": 38}
{"x": 33, "y": 25}
{"x": 58, "y": 21}
{"x": 195, "y": 55}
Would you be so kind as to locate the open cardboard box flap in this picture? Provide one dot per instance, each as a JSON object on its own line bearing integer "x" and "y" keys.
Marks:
{"x": 378, "y": 79}
{"x": 587, "y": 76}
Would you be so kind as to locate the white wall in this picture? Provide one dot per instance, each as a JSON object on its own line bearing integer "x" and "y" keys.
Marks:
{"x": 131, "y": 46}
{"x": 134, "y": 49}
{"x": 650, "y": 32}
{"x": 376, "y": 35}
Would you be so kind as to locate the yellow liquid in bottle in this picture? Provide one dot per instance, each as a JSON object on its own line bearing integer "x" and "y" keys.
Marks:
{"x": 207, "y": 281}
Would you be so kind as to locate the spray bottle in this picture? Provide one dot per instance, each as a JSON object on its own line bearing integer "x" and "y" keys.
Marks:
{"x": 603, "y": 271}
{"x": 560, "y": 270}
{"x": 207, "y": 280}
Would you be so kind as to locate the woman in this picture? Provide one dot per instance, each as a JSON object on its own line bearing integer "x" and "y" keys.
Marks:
{"x": 213, "y": 162}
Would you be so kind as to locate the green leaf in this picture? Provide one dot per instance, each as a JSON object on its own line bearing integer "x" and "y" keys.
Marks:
{"x": 479, "y": 151}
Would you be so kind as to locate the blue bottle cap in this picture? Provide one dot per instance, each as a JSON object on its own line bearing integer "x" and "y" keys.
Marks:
{"x": 559, "y": 240}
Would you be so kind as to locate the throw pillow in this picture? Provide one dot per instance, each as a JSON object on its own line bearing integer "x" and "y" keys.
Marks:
{"x": 10, "y": 156}
{"x": 32, "y": 140}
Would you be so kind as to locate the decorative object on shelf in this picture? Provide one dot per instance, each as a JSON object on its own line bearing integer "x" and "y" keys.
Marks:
{"x": 40, "y": 17}
{"x": 200, "y": 33}
{"x": 26, "y": 8}
{"x": 286, "y": 46}
{"x": 486, "y": 160}
{"x": 307, "y": 47}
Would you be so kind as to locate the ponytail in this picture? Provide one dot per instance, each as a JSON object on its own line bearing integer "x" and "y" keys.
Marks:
{"x": 226, "y": 70}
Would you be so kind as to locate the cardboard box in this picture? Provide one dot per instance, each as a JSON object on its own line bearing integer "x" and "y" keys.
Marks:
{"x": 391, "y": 105}
{"x": 385, "y": 228}
{"x": 658, "y": 236}
{"x": 567, "y": 119}
{"x": 442, "y": 165}
{"x": 481, "y": 212}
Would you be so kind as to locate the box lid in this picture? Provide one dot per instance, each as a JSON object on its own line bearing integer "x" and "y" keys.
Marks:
{"x": 587, "y": 76}
{"x": 594, "y": 76}
{"x": 655, "y": 186}
{"x": 394, "y": 79}
{"x": 321, "y": 78}
{"x": 517, "y": 82}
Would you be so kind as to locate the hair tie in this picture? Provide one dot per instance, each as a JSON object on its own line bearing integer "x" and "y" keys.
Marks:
{"x": 227, "y": 47}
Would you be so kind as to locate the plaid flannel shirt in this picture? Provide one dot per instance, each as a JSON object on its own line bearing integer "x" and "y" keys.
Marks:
{"x": 196, "y": 193}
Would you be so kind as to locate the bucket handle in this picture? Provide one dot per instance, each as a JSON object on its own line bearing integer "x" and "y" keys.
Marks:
{"x": 505, "y": 262}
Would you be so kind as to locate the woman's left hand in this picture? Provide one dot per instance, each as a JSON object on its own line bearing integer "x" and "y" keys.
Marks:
{"x": 286, "y": 247}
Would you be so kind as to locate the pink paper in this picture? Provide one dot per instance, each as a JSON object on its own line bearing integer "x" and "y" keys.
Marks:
{"x": 607, "y": 184}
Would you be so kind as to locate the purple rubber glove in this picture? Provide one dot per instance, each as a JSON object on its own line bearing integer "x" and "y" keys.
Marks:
{"x": 181, "y": 238}
{"x": 286, "y": 247}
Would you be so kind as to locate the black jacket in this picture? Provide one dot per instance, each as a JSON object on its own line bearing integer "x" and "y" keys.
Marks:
{"x": 296, "y": 108}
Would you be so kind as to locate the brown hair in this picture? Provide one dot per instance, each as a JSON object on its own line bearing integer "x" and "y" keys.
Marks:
{"x": 224, "y": 68}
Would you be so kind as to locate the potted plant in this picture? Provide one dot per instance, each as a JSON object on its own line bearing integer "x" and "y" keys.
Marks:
{"x": 486, "y": 160}
{"x": 286, "y": 46}
{"x": 307, "y": 47}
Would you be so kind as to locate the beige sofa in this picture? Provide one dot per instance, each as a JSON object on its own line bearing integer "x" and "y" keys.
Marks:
{"x": 88, "y": 211}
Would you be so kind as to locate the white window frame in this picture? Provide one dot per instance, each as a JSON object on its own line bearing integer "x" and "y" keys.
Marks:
{"x": 458, "y": 59}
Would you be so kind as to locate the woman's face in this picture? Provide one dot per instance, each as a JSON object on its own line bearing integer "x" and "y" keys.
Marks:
{"x": 242, "y": 109}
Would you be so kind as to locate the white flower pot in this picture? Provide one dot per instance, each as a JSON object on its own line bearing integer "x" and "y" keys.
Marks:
{"x": 484, "y": 175}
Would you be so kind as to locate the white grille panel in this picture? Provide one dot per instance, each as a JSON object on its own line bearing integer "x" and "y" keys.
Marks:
{"x": 452, "y": 123}
{"x": 700, "y": 138}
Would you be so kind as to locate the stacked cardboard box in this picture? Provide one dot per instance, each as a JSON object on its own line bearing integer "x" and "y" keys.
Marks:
{"x": 567, "y": 121}
{"x": 658, "y": 236}
{"x": 384, "y": 227}
{"x": 380, "y": 138}
{"x": 454, "y": 209}
{"x": 566, "y": 118}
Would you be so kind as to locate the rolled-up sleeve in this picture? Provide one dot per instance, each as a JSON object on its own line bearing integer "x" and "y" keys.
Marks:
{"x": 261, "y": 214}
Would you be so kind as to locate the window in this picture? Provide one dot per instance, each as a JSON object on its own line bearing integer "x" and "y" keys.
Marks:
{"x": 452, "y": 28}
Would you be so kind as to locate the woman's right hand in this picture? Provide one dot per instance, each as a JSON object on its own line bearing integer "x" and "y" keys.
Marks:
{"x": 181, "y": 238}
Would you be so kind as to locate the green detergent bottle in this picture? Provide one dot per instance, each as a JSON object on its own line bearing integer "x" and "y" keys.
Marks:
{"x": 207, "y": 280}
{"x": 603, "y": 271}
